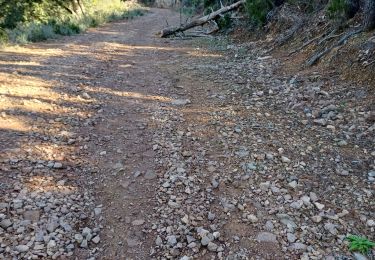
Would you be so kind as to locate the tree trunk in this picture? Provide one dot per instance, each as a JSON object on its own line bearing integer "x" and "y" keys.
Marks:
{"x": 200, "y": 21}
{"x": 369, "y": 11}
{"x": 352, "y": 8}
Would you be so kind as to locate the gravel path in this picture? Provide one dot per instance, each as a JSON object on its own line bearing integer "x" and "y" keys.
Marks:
{"x": 116, "y": 144}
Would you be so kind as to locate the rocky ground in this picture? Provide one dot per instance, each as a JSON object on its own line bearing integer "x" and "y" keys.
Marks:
{"x": 118, "y": 145}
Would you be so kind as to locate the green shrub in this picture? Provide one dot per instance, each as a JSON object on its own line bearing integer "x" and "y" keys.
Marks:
{"x": 337, "y": 9}
{"x": 257, "y": 10}
{"x": 49, "y": 25}
{"x": 360, "y": 244}
{"x": 3, "y": 37}
{"x": 224, "y": 22}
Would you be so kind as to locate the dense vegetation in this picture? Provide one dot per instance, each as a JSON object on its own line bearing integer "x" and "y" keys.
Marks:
{"x": 34, "y": 20}
{"x": 259, "y": 11}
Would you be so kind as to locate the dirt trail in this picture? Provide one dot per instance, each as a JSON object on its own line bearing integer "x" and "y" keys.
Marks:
{"x": 117, "y": 144}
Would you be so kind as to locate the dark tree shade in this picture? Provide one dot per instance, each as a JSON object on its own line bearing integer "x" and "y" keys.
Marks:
{"x": 369, "y": 12}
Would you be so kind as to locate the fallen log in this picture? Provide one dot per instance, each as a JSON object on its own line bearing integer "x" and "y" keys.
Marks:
{"x": 200, "y": 21}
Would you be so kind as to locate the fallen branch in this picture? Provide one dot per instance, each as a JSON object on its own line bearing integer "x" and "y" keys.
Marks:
{"x": 200, "y": 21}
{"x": 314, "y": 59}
{"x": 307, "y": 43}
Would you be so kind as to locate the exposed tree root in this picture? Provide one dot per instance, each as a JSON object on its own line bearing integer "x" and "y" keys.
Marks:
{"x": 323, "y": 35}
{"x": 315, "y": 58}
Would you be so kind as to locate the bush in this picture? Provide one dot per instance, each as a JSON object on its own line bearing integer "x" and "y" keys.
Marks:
{"x": 50, "y": 26}
{"x": 337, "y": 8}
{"x": 342, "y": 9}
{"x": 3, "y": 37}
{"x": 257, "y": 10}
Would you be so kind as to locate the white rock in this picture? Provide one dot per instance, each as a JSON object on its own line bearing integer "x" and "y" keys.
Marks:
{"x": 370, "y": 223}
{"x": 252, "y": 218}
{"x": 293, "y": 184}
{"x": 319, "y": 205}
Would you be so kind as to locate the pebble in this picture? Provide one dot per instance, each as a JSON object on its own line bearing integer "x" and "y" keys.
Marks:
{"x": 96, "y": 239}
{"x": 319, "y": 205}
{"x": 172, "y": 240}
{"x": 252, "y": 218}
{"x": 21, "y": 248}
{"x": 138, "y": 222}
{"x": 5, "y": 223}
{"x": 212, "y": 247}
{"x": 291, "y": 237}
{"x": 285, "y": 159}
{"x": 150, "y": 175}
{"x": 266, "y": 237}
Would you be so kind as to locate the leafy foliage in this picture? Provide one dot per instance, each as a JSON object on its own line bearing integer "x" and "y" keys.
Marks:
{"x": 337, "y": 8}
{"x": 360, "y": 244}
{"x": 24, "y": 21}
{"x": 257, "y": 10}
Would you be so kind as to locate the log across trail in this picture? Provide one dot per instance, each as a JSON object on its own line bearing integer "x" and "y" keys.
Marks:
{"x": 200, "y": 21}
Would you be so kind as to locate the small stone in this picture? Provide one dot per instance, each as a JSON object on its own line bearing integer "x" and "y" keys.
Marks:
{"x": 173, "y": 205}
{"x": 21, "y": 248}
{"x": 52, "y": 225}
{"x": 171, "y": 240}
{"x": 185, "y": 219}
{"x": 266, "y": 237}
{"x": 252, "y": 218}
{"x": 269, "y": 225}
{"x": 85, "y": 95}
{"x": 97, "y": 211}
{"x": 370, "y": 223}
{"x": 57, "y": 165}
{"x": 316, "y": 219}
{"x": 298, "y": 247}
{"x": 51, "y": 244}
{"x": 264, "y": 186}
{"x": 212, "y": 247}
{"x": 78, "y": 238}
{"x": 32, "y": 215}
{"x": 132, "y": 242}
{"x": 38, "y": 247}
{"x": 293, "y": 184}
{"x": 297, "y": 204}
{"x": 319, "y": 205}
{"x": 84, "y": 244}
{"x": 158, "y": 241}
{"x": 86, "y": 232}
{"x": 291, "y": 237}
{"x": 211, "y": 216}
{"x": 331, "y": 228}
{"x": 313, "y": 196}
{"x": 358, "y": 256}
{"x": 192, "y": 245}
{"x": 138, "y": 222}
{"x": 180, "y": 102}
{"x": 205, "y": 240}
{"x": 285, "y": 159}
{"x": 17, "y": 204}
{"x": 150, "y": 175}
{"x": 96, "y": 239}
{"x": 5, "y": 223}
